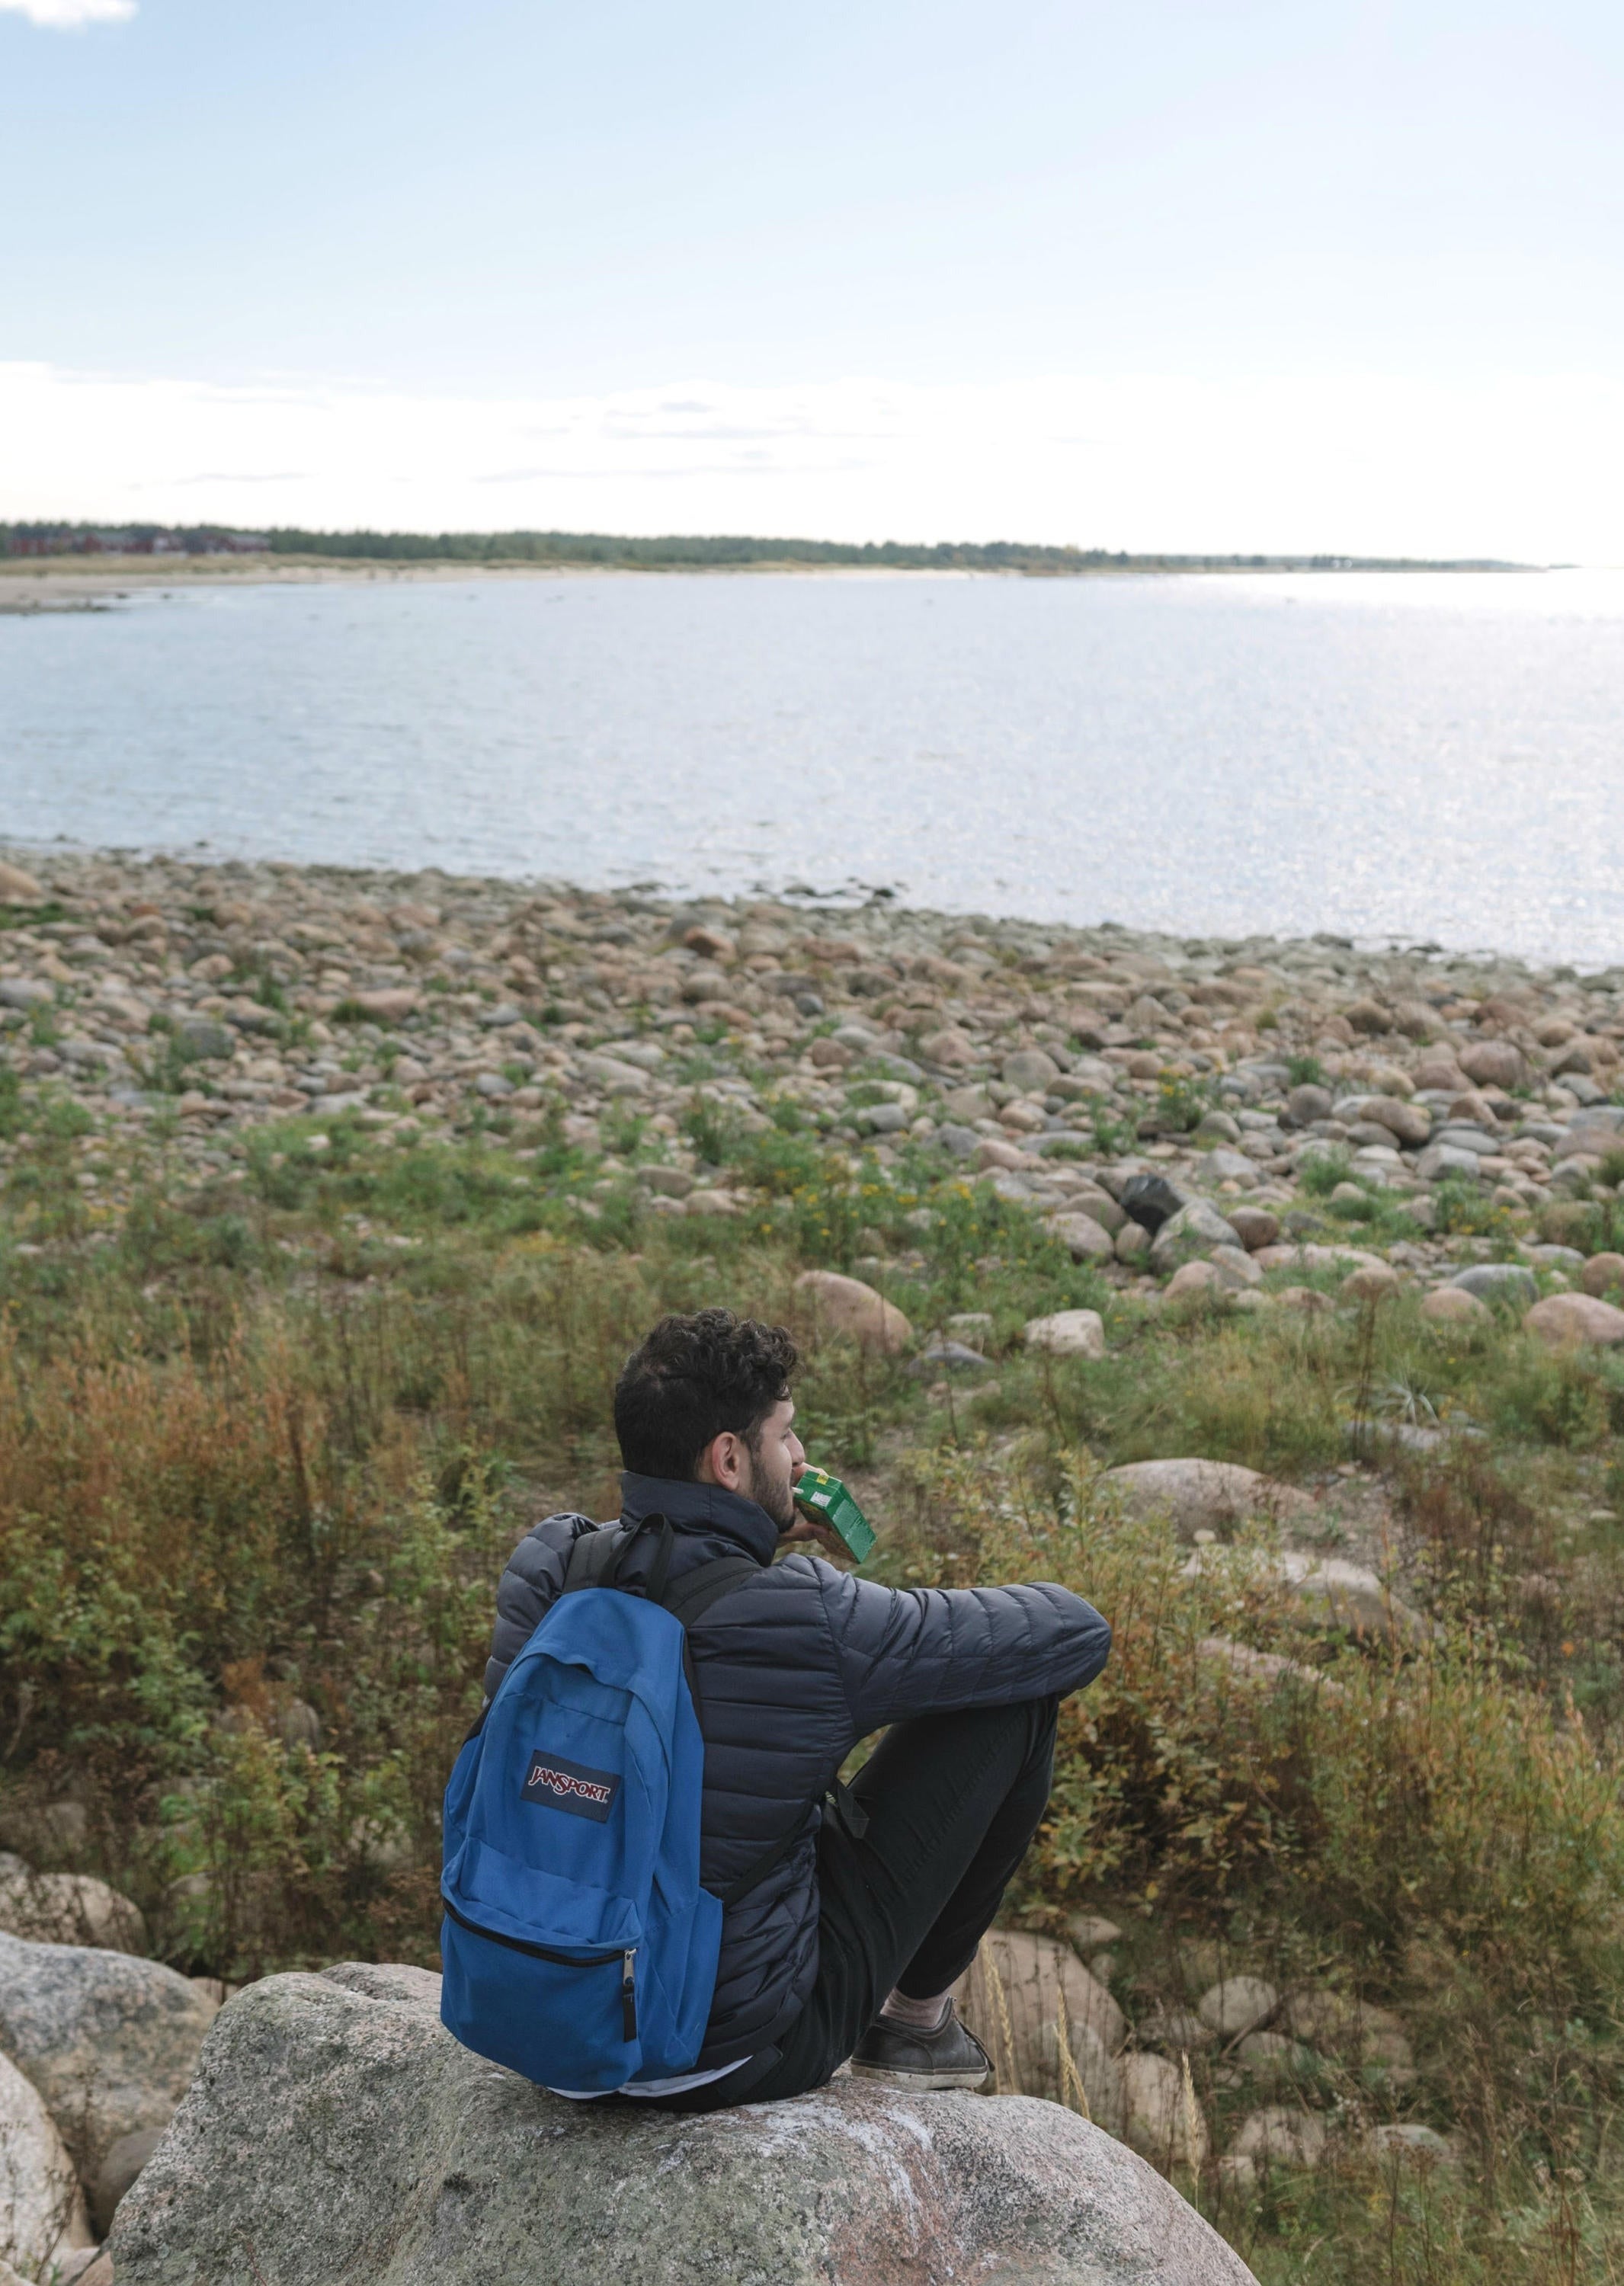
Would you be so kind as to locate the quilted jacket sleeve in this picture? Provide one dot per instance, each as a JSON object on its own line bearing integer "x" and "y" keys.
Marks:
{"x": 533, "y": 1577}
{"x": 925, "y": 1651}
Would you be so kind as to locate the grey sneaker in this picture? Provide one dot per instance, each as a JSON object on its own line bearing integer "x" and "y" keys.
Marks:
{"x": 951, "y": 2056}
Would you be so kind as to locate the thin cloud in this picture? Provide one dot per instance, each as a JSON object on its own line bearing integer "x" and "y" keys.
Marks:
{"x": 70, "y": 15}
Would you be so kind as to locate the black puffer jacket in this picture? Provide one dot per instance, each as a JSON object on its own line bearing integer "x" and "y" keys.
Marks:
{"x": 791, "y": 1669}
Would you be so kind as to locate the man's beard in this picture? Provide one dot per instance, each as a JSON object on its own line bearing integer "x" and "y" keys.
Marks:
{"x": 779, "y": 1501}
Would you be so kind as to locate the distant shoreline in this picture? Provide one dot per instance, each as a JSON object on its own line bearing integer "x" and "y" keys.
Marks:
{"x": 31, "y": 585}
{"x": 72, "y": 583}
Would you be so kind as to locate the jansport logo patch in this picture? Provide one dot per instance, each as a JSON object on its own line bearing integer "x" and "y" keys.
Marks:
{"x": 559, "y": 1784}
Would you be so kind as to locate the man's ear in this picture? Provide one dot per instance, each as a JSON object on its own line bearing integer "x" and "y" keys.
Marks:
{"x": 725, "y": 1461}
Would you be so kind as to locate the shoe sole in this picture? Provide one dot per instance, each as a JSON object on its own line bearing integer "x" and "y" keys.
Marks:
{"x": 920, "y": 2083}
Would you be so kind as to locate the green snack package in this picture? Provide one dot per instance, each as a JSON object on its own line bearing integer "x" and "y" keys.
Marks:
{"x": 826, "y": 1498}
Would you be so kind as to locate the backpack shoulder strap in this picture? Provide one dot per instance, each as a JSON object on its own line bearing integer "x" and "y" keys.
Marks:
{"x": 688, "y": 1601}
{"x": 706, "y": 1584}
{"x": 595, "y": 1557}
{"x": 694, "y": 1594}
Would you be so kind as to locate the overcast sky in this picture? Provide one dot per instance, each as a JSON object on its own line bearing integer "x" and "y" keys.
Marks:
{"x": 1176, "y": 275}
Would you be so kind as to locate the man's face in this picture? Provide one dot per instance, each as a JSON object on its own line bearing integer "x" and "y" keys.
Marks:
{"x": 771, "y": 1464}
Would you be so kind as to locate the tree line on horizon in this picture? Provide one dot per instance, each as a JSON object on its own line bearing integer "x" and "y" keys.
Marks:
{"x": 675, "y": 551}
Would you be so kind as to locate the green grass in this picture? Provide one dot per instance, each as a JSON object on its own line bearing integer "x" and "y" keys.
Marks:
{"x": 268, "y": 1429}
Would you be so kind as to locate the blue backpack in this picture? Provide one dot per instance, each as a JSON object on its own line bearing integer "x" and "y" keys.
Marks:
{"x": 579, "y": 1947}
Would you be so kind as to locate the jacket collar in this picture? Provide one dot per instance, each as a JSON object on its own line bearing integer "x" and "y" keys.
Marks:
{"x": 686, "y": 1505}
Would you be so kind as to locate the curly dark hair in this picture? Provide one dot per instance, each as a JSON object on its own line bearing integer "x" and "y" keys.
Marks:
{"x": 691, "y": 1379}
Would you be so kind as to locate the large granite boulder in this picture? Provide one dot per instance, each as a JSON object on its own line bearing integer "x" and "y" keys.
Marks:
{"x": 42, "y": 2208}
{"x": 109, "y": 2041}
{"x": 67, "y": 1909}
{"x": 335, "y": 2130}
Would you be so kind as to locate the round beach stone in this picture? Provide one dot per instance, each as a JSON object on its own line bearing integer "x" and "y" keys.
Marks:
{"x": 949, "y": 1049}
{"x": 1441, "y": 1159}
{"x": 392, "y": 1004}
{"x": 1197, "y": 1226}
{"x": 1030, "y": 1070}
{"x": 199, "y": 1039}
{"x": 1162, "y": 2120}
{"x": 1374, "y": 1282}
{"x": 1412, "y": 2139}
{"x": 1151, "y": 1200}
{"x": 1408, "y": 1122}
{"x": 1088, "y": 1932}
{"x": 1562, "y": 1321}
{"x": 1132, "y": 1242}
{"x": 1439, "y": 1074}
{"x": 1226, "y": 1166}
{"x": 1084, "y": 1239}
{"x": 18, "y": 887}
{"x": 710, "y": 1203}
{"x": 710, "y": 943}
{"x": 1197, "y": 1278}
{"x": 1308, "y": 1299}
{"x": 1237, "y": 2004}
{"x": 1308, "y": 1103}
{"x": 26, "y": 993}
{"x": 1331, "y": 1592}
{"x": 958, "y": 1141}
{"x": 1498, "y": 1281}
{"x": 1254, "y": 1226}
{"x": 1278, "y": 2136}
{"x": 1200, "y": 1495}
{"x": 846, "y": 1306}
{"x": 1235, "y": 1265}
{"x": 1098, "y": 1205}
{"x": 1449, "y": 1306}
{"x": 1067, "y": 1333}
{"x": 1493, "y": 1063}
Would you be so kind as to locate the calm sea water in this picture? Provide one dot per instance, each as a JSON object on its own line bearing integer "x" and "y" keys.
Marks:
{"x": 1418, "y": 757}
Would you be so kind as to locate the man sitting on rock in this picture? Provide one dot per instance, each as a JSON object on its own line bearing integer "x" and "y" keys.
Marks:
{"x": 849, "y": 1944}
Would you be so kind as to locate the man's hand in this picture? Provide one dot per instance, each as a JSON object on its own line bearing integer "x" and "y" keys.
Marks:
{"x": 806, "y": 1528}
{"x": 809, "y": 1530}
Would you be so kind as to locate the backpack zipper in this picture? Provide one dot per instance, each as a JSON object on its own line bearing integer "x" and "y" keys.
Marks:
{"x": 562, "y": 1959}
{"x": 628, "y": 1995}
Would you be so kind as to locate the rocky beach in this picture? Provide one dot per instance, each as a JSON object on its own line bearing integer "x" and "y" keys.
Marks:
{"x": 1056, "y": 1065}
{"x": 1271, "y": 1292}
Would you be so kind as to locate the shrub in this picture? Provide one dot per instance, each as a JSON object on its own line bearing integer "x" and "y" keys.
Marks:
{"x": 1379, "y": 1802}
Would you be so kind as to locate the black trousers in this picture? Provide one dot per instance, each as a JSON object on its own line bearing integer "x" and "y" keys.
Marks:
{"x": 949, "y": 1804}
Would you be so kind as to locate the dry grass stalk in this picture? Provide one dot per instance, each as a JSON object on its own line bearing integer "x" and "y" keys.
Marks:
{"x": 1072, "y": 2089}
{"x": 1006, "y": 2031}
